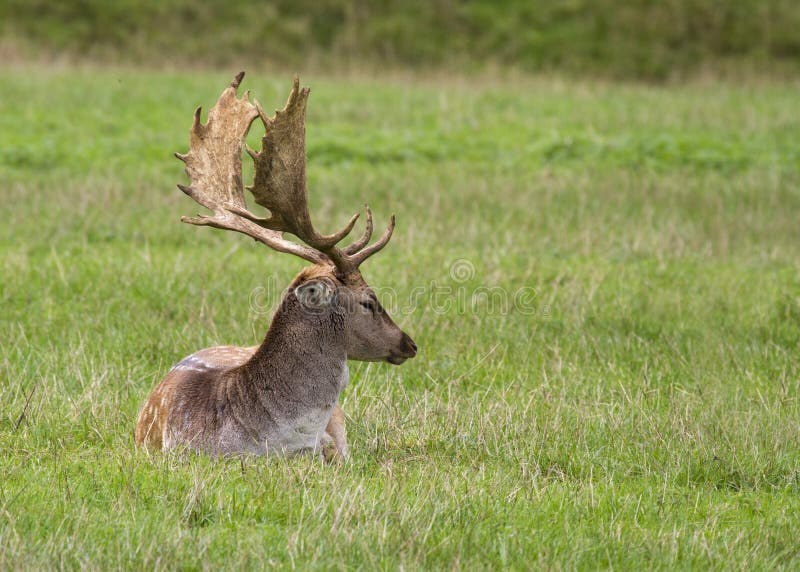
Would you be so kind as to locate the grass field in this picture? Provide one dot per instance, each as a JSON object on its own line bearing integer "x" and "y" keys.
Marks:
{"x": 640, "y": 411}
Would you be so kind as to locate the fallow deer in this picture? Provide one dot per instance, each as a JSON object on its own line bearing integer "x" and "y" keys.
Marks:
{"x": 280, "y": 397}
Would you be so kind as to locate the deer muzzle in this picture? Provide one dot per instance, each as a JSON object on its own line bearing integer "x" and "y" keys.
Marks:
{"x": 407, "y": 349}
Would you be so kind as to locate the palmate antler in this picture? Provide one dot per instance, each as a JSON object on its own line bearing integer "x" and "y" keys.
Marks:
{"x": 214, "y": 166}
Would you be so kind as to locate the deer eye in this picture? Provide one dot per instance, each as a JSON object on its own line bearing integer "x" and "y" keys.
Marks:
{"x": 369, "y": 305}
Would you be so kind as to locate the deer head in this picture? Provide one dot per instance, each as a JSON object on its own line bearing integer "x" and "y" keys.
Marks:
{"x": 333, "y": 287}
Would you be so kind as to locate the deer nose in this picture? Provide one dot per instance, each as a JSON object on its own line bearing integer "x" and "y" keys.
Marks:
{"x": 409, "y": 346}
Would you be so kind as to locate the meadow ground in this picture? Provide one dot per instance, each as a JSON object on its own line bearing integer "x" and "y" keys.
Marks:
{"x": 626, "y": 395}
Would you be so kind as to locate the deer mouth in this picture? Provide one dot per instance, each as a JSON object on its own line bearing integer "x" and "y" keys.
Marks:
{"x": 408, "y": 350}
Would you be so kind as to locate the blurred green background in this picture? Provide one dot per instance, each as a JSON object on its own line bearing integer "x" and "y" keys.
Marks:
{"x": 630, "y": 39}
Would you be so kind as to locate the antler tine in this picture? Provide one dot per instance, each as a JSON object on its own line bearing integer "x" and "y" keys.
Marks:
{"x": 361, "y": 242}
{"x": 324, "y": 242}
{"x": 359, "y": 257}
{"x": 237, "y": 80}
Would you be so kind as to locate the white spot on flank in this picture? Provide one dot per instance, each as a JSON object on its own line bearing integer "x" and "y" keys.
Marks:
{"x": 192, "y": 363}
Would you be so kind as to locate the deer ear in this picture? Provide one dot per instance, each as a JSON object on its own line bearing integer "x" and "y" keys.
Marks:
{"x": 314, "y": 294}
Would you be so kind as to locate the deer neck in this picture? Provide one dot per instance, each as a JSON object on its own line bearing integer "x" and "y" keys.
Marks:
{"x": 302, "y": 360}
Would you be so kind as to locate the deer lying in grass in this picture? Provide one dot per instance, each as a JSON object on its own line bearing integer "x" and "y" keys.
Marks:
{"x": 282, "y": 396}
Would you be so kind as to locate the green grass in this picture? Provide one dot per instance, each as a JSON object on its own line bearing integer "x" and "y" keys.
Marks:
{"x": 643, "y": 414}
